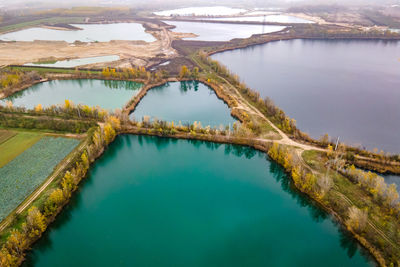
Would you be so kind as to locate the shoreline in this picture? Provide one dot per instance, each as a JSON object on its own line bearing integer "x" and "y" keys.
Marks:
{"x": 250, "y": 141}
{"x": 256, "y": 144}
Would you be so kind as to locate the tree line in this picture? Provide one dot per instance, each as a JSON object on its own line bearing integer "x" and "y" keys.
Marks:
{"x": 9, "y": 79}
{"x": 38, "y": 218}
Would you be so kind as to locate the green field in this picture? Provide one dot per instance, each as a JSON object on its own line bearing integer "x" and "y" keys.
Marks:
{"x": 52, "y": 70}
{"x": 14, "y": 143}
{"x": 22, "y": 175}
{"x": 5, "y": 135}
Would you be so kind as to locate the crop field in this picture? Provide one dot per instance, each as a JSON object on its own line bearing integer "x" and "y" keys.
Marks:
{"x": 14, "y": 143}
{"x": 20, "y": 177}
{"x": 5, "y": 135}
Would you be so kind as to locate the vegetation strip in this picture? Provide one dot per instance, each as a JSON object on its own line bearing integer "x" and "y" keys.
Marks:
{"x": 317, "y": 185}
{"x": 16, "y": 145}
{"x": 316, "y": 169}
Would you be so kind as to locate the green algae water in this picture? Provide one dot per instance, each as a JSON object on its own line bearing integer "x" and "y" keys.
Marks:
{"x": 103, "y": 93}
{"x": 183, "y": 101}
{"x": 152, "y": 201}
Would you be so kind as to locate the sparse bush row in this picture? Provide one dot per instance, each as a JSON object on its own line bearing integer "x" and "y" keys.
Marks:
{"x": 44, "y": 123}
{"x": 375, "y": 185}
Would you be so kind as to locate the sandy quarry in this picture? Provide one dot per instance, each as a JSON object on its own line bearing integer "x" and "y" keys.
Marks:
{"x": 131, "y": 53}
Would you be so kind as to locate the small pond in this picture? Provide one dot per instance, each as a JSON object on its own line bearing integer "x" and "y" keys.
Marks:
{"x": 105, "y": 94}
{"x": 185, "y": 102}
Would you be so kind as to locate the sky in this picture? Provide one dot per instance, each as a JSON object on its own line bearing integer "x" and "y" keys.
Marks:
{"x": 175, "y": 3}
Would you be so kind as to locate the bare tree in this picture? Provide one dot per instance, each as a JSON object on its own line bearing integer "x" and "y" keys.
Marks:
{"x": 325, "y": 183}
{"x": 357, "y": 219}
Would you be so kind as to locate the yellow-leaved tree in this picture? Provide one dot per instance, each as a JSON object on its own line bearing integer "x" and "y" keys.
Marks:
{"x": 68, "y": 104}
{"x": 114, "y": 121}
{"x": 53, "y": 202}
{"x": 35, "y": 223}
{"x": 109, "y": 133}
{"x": 184, "y": 72}
{"x": 39, "y": 108}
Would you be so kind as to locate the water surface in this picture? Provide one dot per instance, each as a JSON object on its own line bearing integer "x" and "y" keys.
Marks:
{"x": 221, "y": 31}
{"x": 185, "y": 102}
{"x": 106, "y": 94}
{"x": 89, "y": 33}
{"x": 344, "y": 88}
{"x": 201, "y": 11}
{"x": 161, "y": 202}
{"x": 70, "y": 63}
{"x": 268, "y": 18}
{"x": 392, "y": 179}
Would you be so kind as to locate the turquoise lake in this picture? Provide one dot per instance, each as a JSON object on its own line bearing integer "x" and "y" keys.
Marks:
{"x": 152, "y": 201}
{"x": 185, "y": 102}
{"x": 103, "y": 93}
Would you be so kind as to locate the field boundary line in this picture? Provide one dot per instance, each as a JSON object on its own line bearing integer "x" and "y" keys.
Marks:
{"x": 35, "y": 194}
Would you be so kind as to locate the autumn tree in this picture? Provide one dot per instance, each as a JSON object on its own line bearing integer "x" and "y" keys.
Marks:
{"x": 98, "y": 139}
{"x": 310, "y": 180}
{"x": 53, "y": 202}
{"x": 35, "y": 223}
{"x": 392, "y": 196}
{"x": 114, "y": 122}
{"x": 195, "y": 73}
{"x": 16, "y": 243}
{"x": 184, "y": 72}
{"x": 274, "y": 151}
{"x": 109, "y": 133}
{"x": 7, "y": 258}
{"x": 39, "y": 108}
{"x": 68, "y": 104}
{"x": 296, "y": 175}
{"x": 325, "y": 183}
{"x": 357, "y": 219}
{"x": 324, "y": 139}
{"x": 85, "y": 160}
{"x": 106, "y": 72}
{"x": 68, "y": 185}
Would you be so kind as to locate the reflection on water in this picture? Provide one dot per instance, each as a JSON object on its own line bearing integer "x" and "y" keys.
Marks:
{"x": 344, "y": 88}
{"x": 191, "y": 203}
{"x": 392, "y": 179}
{"x": 185, "y": 102}
{"x": 267, "y": 18}
{"x": 107, "y": 94}
{"x": 220, "y": 31}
